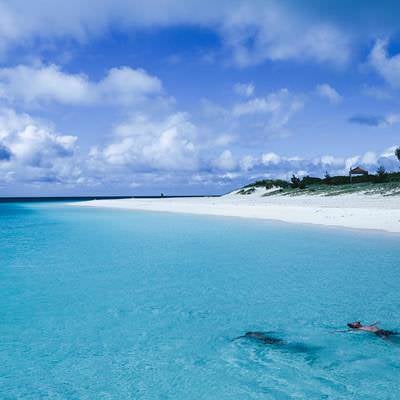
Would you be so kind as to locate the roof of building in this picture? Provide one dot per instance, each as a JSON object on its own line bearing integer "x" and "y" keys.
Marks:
{"x": 358, "y": 171}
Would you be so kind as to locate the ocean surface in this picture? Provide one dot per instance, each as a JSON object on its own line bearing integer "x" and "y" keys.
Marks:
{"x": 109, "y": 304}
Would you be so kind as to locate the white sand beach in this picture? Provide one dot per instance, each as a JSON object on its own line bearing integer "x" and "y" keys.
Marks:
{"x": 360, "y": 211}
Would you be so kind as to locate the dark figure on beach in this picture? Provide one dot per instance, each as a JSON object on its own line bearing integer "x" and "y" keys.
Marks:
{"x": 373, "y": 328}
{"x": 261, "y": 337}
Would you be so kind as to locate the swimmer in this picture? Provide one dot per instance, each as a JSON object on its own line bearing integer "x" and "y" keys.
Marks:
{"x": 372, "y": 328}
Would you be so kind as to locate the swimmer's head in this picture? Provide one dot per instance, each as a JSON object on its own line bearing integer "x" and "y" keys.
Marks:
{"x": 354, "y": 325}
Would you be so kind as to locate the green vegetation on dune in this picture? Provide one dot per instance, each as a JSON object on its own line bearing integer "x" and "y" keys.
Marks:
{"x": 384, "y": 189}
{"x": 268, "y": 184}
{"x": 386, "y": 184}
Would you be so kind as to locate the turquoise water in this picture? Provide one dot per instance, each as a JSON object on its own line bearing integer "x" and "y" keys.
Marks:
{"x": 100, "y": 304}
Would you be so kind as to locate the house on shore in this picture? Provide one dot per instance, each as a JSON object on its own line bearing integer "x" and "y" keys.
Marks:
{"x": 357, "y": 171}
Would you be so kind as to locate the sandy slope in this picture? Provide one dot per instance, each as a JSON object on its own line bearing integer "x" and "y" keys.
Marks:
{"x": 352, "y": 211}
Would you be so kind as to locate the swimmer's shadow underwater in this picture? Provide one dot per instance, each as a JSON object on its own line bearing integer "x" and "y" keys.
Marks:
{"x": 269, "y": 340}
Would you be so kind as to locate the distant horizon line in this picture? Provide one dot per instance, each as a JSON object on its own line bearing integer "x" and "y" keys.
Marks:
{"x": 5, "y": 199}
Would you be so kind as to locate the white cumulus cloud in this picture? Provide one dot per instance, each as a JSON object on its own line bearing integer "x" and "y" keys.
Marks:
{"x": 270, "y": 158}
{"x": 43, "y": 84}
{"x": 255, "y": 34}
{"x": 145, "y": 144}
{"x": 275, "y": 109}
{"x": 34, "y": 152}
{"x": 244, "y": 89}
{"x": 225, "y": 161}
{"x": 328, "y": 92}
{"x": 252, "y": 31}
{"x": 388, "y": 67}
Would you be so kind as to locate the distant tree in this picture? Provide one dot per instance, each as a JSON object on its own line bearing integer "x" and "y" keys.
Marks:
{"x": 327, "y": 178}
{"x": 381, "y": 174}
{"x": 297, "y": 182}
{"x": 397, "y": 153}
{"x": 381, "y": 170}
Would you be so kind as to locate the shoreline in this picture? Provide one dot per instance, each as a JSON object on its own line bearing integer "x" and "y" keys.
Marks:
{"x": 355, "y": 211}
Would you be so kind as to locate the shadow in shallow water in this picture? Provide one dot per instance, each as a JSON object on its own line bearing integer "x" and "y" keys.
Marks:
{"x": 269, "y": 339}
{"x": 261, "y": 337}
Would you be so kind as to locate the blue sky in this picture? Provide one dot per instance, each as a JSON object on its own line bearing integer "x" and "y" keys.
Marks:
{"x": 122, "y": 97}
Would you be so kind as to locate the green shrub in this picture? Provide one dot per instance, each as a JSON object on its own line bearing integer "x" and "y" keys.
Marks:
{"x": 310, "y": 180}
{"x": 327, "y": 178}
{"x": 247, "y": 191}
{"x": 381, "y": 175}
{"x": 297, "y": 183}
{"x": 270, "y": 183}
